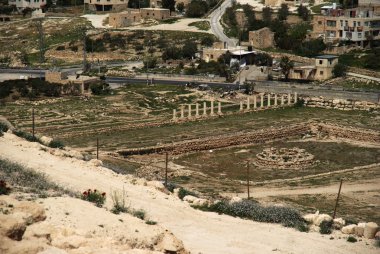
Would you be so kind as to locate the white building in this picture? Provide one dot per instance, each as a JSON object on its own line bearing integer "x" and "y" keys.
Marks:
{"x": 22, "y": 4}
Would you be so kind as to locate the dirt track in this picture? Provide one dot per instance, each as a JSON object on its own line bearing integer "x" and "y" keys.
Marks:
{"x": 200, "y": 232}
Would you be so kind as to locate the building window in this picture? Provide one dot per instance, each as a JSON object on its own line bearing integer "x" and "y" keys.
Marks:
{"x": 331, "y": 23}
{"x": 359, "y": 35}
{"x": 354, "y": 23}
{"x": 341, "y": 23}
{"x": 320, "y": 72}
{"x": 319, "y": 22}
{"x": 320, "y": 61}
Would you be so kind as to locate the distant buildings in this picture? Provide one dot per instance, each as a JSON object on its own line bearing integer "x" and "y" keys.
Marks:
{"x": 131, "y": 16}
{"x": 33, "y": 4}
{"x": 106, "y": 5}
{"x": 358, "y": 25}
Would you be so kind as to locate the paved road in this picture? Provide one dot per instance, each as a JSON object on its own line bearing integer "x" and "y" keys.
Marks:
{"x": 216, "y": 27}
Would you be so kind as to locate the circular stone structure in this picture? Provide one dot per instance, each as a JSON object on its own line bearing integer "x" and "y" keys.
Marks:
{"x": 284, "y": 158}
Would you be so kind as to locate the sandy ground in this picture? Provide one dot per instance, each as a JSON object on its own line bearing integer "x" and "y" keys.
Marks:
{"x": 97, "y": 20}
{"x": 200, "y": 232}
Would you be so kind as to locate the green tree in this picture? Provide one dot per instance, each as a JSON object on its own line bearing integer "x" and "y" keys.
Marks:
{"x": 196, "y": 9}
{"x": 136, "y": 4}
{"x": 303, "y": 12}
{"x": 267, "y": 15}
{"x": 339, "y": 70}
{"x": 283, "y": 12}
{"x": 168, "y": 4}
{"x": 225, "y": 58}
{"x": 189, "y": 49}
{"x": 263, "y": 59}
{"x": 311, "y": 48}
{"x": 286, "y": 65}
{"x": 180, "y": 7}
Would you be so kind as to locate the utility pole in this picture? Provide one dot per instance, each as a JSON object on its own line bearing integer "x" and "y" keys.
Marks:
{"x": 166, "y": 168}
{"x": 33, "y": 122}
{"x": 84, "y": 50}
{"x": 97, "y": 148}
{"x": 248, "y": 179}
{"x": 40, "y": 30}
{"x": 337, "y": 198}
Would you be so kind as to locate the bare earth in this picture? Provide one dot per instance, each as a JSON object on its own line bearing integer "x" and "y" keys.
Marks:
{"x": 200, "y": 232}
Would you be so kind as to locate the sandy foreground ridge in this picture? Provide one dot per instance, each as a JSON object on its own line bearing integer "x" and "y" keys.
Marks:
{"x": 75, "y": 223}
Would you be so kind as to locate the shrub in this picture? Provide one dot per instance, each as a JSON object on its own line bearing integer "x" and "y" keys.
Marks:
{"x": 151, "y": 222}
{"x": 96, "y": 197}
{"x": 139, "y": 214}
{"x": 118, "y": 201}
{"x": 170, "y": 187}
{"x": 4, "y": 189}
{"x": 326, "y": 227}
{"x": 25, "y": 135}
{"x": 299, "y": 103}
{"x": 3, "y": 127}
{"x": 250, "y": 209}
{"x": 339, "y": 70}
{"x": 351, "y": 239}
{"x": 29, "y": 180}
{"x": 56, "y": 144}
{"x": 100, "y": 88}
{"x": 183, "y": 192}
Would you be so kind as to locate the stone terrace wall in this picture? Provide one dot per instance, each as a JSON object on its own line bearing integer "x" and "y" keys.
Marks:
{"x": 355, "y": 134}
{"x": 259, "y": 136}
{"x": 320, "y": 102}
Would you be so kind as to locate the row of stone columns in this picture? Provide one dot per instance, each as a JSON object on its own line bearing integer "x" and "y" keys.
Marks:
{"x": 289, "y": 101}
{"x": 189, "y": 110}
{"x": 248, "y": 105}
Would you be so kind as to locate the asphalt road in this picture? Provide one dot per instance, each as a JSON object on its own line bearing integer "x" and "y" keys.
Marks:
{"x": 216, "y": 27}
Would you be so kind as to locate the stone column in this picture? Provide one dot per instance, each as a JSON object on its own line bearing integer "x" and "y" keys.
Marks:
{"x": 268, "y": 100}
{"x": 219, "y": 108}
{"x": 295, "y": 97}
{"x": 289, "y": 98}
{"x": 205, "y": 108}
{"x": 197, "y": 110}
{"x": 248, "y": 104}
{"x": 241, "y": 106}
{"x": 212, "y": 108}
{"x": 174, "y": 115}
{"x": 189, "y": 115}
{"x": 282, "y": 100}
{"x": 262, "y": 101}
{"x": 275, "y": 99}
{"x": 182, "y": 112}
{"x": 254, "y": 102}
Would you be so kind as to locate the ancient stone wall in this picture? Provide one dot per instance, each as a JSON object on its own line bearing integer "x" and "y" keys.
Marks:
{"x": 262, "y": 38}
{"x": 341, "y": 104}
{"x": 354, "y": 134}
{"x": 260, "y": 136}
{"x": 222, "y": 141}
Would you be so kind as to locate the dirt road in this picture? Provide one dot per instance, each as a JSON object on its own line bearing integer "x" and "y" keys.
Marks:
{"x": 200, "y": 232}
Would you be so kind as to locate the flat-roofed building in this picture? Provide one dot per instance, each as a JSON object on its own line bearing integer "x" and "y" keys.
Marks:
{"x": 106, "y": 5}
{"x": 131, "y": 16}
{"x": 33, "y": 4}
{"x": 357, "y": 25}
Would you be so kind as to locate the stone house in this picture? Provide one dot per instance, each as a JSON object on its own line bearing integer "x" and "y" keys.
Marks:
{"x": 63, "y": 78}
{"x": 131, "y": 16}
{"x": 125, "y": 18}
{"x": 322, "y": 69}
{"x": 275, "y": 3}
{"x": 262, "y": 38}
{"x": 106, "y": 5}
